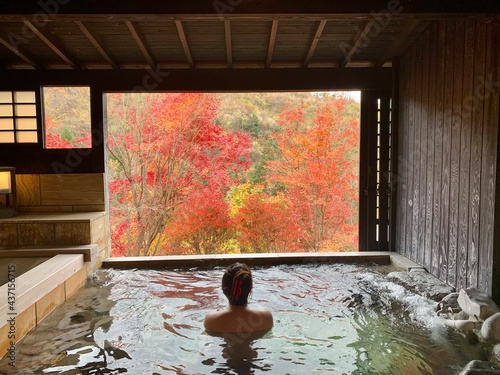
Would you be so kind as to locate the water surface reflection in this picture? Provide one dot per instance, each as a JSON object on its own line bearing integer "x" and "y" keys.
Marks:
{"x": 328, "y": 319}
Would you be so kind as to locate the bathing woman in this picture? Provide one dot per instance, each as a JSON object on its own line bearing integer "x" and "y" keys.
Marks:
{"x": 238, "y": 318}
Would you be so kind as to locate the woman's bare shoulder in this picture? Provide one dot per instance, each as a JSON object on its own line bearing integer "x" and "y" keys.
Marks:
{"x": 267, "y": 318}
{"x": 212, "y": 319}
{"x": 239, "y": 321}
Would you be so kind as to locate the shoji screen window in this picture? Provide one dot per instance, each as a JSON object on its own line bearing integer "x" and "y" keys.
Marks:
{"x": 18, "y": 117}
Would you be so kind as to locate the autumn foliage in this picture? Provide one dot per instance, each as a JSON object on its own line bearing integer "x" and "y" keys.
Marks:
{"x": 173, "y": 165}
{"x": 318, "y": 170}
{"x": 183, "y": 181}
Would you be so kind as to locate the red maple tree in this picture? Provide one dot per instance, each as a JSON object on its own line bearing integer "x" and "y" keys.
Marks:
{"x": 168, "y": 156}
{"x": 318, "y": 170}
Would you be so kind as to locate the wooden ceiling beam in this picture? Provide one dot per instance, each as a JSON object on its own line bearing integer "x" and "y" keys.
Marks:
{"x": 272, "y": 41}
{"x": 18, "y": 50}
{"x": 357, "y": 43}
{"x": 139, "y": 40}
{"x": 53, "y": 44}
{"x": 314, "y": 43}
{"x": 398, "y": 42}
{"x": 229, "y": 44}
{"x": 250, "y": 7}
{"x": 97, "y": 43}
{"x": 210, "y": 80}
{"x": 184, "y": 42}
{"x": 145, "y": 18}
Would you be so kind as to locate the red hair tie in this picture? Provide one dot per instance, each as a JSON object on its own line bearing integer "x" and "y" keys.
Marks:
{"x": 236, "y": 290}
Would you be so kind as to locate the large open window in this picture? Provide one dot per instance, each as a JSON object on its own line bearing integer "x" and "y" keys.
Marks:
{"x": 205, "y": 173}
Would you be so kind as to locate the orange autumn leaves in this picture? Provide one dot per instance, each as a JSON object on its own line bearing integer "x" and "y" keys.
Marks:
{"x": 318, "y": 167}
{"x": 180, "y": 185}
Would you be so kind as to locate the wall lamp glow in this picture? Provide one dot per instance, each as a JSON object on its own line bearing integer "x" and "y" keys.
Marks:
{"x": 8, "y": 194}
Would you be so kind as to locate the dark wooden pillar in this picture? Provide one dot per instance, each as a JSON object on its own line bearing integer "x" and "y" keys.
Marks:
{"x": 375, "y": 171}
{"x": 495, "y": 284}
{"x": 97, "y": 120}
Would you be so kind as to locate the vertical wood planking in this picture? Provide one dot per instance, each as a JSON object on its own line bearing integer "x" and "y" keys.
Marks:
{"x": 488, "y": 178}
{"x": 424, "y": 152}
{"x": 476, "y": 153}
{"x": 440, "y": 35}
{"x": 394, "y": 145}
{"x": 495, "y": 288}
{"x": 449, "y": 131}
{"x": 456, "y": 122}
{"x": 396, "y": 158}
{"x": 431, "y": 120}
{"x": 417, "y": 166}
{"x": 411, "y": 162}
{"x": 465, "y": 142}
{"x": 445, "y": 184}
{"x": 403, "y": 154}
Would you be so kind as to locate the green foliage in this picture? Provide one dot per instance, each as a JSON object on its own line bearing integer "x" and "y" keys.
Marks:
{"x": 66, "y": 134}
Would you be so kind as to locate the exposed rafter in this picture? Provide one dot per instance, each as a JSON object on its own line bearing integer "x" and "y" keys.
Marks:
{"x": 262, "y": 41}
{"x": 97, "y": 43}
{"x": 139, "y": 40}
{"x": 314, "y": 43}
{"x": 18, "y": 50}
{"x": 229, "y": 45}
{"x": 357, "y": 43}
{"x": 398, "y": 42}
{"x": 272, "y": 41}
{"x": 184, "y": 42}
{"x": 54, "y": 45}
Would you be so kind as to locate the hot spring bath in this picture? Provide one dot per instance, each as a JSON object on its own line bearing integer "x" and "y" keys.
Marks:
{"x": 339, "y": 319}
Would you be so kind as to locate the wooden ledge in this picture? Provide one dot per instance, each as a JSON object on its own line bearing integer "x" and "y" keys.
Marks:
{"x": 89, "y": 252}
{"x": 59, "y": 217}
{"x": 39, "y": 281}
{"x": 270, "y": 259}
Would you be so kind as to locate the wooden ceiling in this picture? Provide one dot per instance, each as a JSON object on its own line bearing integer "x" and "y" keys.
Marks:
{"x": 198, "y": 34}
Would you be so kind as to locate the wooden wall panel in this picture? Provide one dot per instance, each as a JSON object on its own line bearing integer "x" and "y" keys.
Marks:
{"x": 440, "y": 37}
{"x": 416, "y": 140}
{"x": 456, "y": 122}
{"x": 61, "y": 193}
{"x": 446, "y": 161}
{"x": 425, "y": 187}
{"x": 448, "y": 143}
{"x": 410, "y": 144}
{"x": 72, "y": 189}
{"x": 28, "y": 189}
{"x": 464, "y": 161}
{"x": 489, "y": 154}
{"x": 431, "y": 149}
{"x": 476, "y": 161}
{"x": 400, "y": 177}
